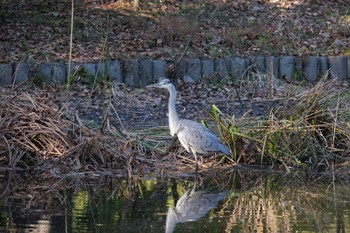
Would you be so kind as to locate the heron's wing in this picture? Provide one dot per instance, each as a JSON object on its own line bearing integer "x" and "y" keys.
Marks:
{"x": 194, "y": 135}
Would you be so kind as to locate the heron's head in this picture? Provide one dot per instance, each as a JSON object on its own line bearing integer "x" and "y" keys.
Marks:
{"x": 165, "y": 83}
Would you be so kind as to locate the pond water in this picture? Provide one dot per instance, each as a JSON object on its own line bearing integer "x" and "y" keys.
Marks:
{"x": 238, "y": 201}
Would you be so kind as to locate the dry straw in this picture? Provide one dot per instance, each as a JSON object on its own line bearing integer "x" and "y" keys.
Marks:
{"x": 36, "y": 127}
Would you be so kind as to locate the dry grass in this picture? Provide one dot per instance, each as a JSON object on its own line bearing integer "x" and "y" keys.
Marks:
{"x": 36, "y": 127}
{"x": 309, "y": 129}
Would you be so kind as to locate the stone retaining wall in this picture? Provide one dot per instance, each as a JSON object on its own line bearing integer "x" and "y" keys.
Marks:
{"x": 138, "y": 73}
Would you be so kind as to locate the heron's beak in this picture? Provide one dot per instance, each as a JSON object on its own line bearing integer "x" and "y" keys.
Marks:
{"x": 153, "y": 85}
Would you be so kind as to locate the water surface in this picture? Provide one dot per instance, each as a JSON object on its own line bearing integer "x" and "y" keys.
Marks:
{"x": 239, "y": 201}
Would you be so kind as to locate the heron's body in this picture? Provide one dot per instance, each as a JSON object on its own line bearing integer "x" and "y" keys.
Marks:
{"x": 196, "y": 138}
{"x": 193, "y": 136}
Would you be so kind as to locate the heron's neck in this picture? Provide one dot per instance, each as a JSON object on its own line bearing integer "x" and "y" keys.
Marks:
{"x": 173, "y": 117}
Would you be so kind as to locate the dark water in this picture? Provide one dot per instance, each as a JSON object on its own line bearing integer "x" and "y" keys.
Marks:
{"x": 238, "y": 201}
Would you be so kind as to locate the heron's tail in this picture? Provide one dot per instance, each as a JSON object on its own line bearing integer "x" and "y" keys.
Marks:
{"x": 225, "y": 150}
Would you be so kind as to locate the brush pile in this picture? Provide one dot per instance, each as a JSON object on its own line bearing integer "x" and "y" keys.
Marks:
{"x": 36, "y": 131}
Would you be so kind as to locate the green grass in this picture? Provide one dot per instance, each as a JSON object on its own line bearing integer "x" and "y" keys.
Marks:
{"x": 308, "y": 130}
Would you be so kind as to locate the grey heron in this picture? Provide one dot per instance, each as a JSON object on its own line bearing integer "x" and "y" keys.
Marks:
{"x": 191, "y": 206}
{"x": 193, "y": 136}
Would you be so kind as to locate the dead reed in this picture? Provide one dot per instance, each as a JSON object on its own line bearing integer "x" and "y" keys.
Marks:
{"x": 308, "y": 129}
{"x": 36, "y": 127}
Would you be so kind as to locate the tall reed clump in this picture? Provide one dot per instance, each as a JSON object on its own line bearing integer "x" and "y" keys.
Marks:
{"x": 37, "y": 132}
{"x": 306, "y": 130}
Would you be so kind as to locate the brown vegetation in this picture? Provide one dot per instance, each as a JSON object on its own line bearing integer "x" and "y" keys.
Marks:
{"x": 37, "y": 133}
{"x": 42, "y": 129}
{"x": 40, "y": 30}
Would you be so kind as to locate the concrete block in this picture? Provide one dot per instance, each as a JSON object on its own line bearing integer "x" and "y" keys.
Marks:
{"x": 6, "y": 71}
{"x": 260, "y": 62}
{"x": 188, "y": 79}
{"x": 159, "y": 70}
{"x": 338, "y": 65}
{"x": 103, "y": 70}
{"x": 311, "y": 68}
{"x": 193, "y": 68}
{"x": 90, "y": 68}
{"x": 207, "y": 68}
{"x": 59, "y": 73}
{"x": 237, "y": 66}
{"x": 146, "y": 72}
{"x": 131, "y": 73}
{"x": 286, "y": 68}
{"x": 45, "y": 70}
{"x": 116, "y": 71}
{"x": 21, "y": 73}
{"x": 73, "y": 70}
{"x": 323, "y": 66}
{"x": 221, "y": 67}
{"x": 73, "y": 67}
{"x": 272, "y": 64}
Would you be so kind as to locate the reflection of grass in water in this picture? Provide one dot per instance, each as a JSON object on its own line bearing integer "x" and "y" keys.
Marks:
{"x": 257, "y": 203}
{"x": 274, "y": 205}
{"x": 265, "y": 204}
{"x": 124, "y": 204}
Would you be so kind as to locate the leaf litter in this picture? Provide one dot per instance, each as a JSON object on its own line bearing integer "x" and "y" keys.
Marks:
{"x": 39, "y": 30}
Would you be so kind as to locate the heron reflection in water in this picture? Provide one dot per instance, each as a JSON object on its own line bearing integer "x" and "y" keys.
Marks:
{"x": 193, "y": 136}
{"x": 191, "y": 206}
